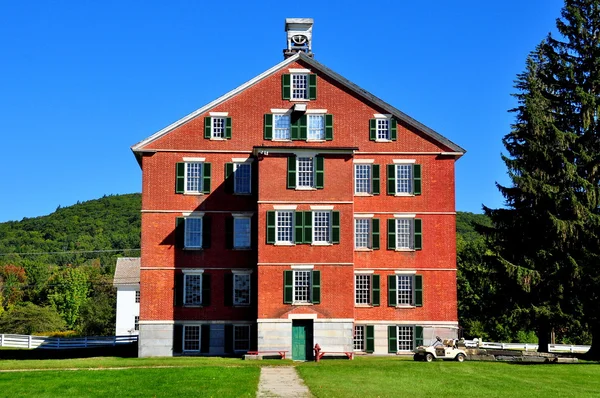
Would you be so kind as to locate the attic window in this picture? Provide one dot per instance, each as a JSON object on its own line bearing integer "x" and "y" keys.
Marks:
{"x": 299, "y": 86}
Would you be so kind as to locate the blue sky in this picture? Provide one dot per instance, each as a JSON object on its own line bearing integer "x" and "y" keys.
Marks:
{"x": 82, "y": 81}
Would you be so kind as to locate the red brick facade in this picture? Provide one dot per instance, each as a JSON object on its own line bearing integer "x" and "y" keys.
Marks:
{"x": 162, "y": 260}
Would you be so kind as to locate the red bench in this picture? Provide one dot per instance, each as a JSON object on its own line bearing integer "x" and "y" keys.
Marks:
{"x": 280, "y": 353}
{"x": 350, "y": 355}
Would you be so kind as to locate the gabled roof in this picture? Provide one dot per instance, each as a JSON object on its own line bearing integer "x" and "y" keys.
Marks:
{"x": 127, "y": 271}
{"x": 139, "y": 147}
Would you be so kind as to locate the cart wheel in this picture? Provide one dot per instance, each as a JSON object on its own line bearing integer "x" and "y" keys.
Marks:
{"x": 428, "y": 357}
{"x": 460, "y": 357}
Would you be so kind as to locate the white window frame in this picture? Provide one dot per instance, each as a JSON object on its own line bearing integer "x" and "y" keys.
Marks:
{"x": 236, "y": 166}
{"x": 369, "y": 289}
{"x": 289, "y": 127}
{"x": 292, "y": 227}
{"x": 188, "y": 180}
{"x": 198, "y": 294}
{"x": 369, "y": 179}
{"x": 235, "y": 340}
{"x": 313, "y": 176}
{"x": 360, "y": 338}
{"x": 401, "y": 344}
{"x": 248, "y": 219}
{"x": 184, "y": 340}
{"x": 187, "y": 233}
{"x": 309, "y": 129}
{"x": 293, "y": 87}
{"x": 242, "y": 274}
{"x": 409, "y": 181}
{"x": 388, "y": 131}
{"x": 411, "y": 233}
{"x": 221, "y": 133}
{"x": 401, "y": 295}
{"x": 369, "y": 233}
{"x": 296, "y": 289}
{"x": 314, "y": 227}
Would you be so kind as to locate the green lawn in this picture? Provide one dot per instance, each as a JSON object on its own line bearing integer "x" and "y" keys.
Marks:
{"x": 363, "y": 377}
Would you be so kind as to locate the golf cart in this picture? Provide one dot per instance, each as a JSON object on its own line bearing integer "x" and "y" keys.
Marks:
{"x": 446, "y": 349}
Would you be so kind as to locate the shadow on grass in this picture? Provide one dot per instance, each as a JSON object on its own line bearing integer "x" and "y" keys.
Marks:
{"x": 123, "y": 351}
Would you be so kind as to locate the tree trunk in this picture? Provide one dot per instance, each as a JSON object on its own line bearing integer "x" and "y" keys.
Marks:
{"x": 543, "y": 334}
{"x": 594, "y": 352}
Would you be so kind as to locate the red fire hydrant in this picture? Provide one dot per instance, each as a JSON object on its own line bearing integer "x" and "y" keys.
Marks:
{"x": 317, "y": 351}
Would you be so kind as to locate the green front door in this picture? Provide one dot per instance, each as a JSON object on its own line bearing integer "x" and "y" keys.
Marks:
{"x": 301, "y": 340}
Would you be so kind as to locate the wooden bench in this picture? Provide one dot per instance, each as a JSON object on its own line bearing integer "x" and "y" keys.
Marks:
{"x": 280, "y": 353}
{"x": 350, "y": 355}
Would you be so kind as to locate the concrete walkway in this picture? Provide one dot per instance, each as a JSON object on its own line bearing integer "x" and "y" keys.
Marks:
{"x": 281, "y": 381}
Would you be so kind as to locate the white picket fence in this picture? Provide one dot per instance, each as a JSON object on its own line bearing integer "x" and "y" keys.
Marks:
{"x": 54, "y": 343}
{"x": 579, "y": 349}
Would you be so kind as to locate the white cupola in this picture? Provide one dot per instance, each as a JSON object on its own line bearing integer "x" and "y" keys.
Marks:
{"x": 299, "y": 36}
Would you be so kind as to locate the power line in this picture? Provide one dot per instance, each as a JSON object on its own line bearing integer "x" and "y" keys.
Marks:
{"x": 71, "y": 251}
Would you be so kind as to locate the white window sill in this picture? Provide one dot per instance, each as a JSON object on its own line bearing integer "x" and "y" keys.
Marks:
{"x": 302, "y": 303}
{"x": 363, "y": 305}
{"x": 404, "y": 194}
{"x": 380, "y": 140}
{"x": 405, "y": 250}
{"x": 306, "y": 189}
{"x": 299, "y": 100}
{"x": 316, "y": 140}
{"x": 193, "y": 248}
{"x": 322, "y": 244}
{"x": 194, "y": 193}
{"x": 362, "y": 194}
{"x": 218, "y": 139}
{"x": 284, "y": 244}
{"x": 281, "y": 140}
{"x": 405, "y": 306}
{"x": 363, "y": 249}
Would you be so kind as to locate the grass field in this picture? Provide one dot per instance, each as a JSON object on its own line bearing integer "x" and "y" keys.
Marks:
{"x": 363, "y": 377}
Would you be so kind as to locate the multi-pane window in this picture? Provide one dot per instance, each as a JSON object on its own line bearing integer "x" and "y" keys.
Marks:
{"x": 193, "y": 177}
{"x": 192, "y": 289}
{"x": 404, "y": 178}
{"x": 362, "y": 178}
{"x": 193, "y": 232}
{"x": 218, "y": 127}
{"x": 285, "y": 227}
{"x": 137, "y": 296}
{"x": 404, "y": 289}
{"x": 405, "y": 338}
{"x": 299, "y": 86}
{"x": 242, "y": 177}
{"x": 305, "y": 172}
{"x": 321, "y": 227}
{"x": 383, "y": 129}
{"x": 362, "y": 289}
{"x": 316, "y": 127}
{"x": 191, "y": 338}
{"x": 302, "y": 284}
{"x": 404, "y": 233}
{"x": 281, "y": 127}
{"x": 241, "y": 232}
{"x": 362, "y": 233}
{"x": 136, "y": 323}
{"x": 241, "y": 289}
{"x": 241, "y": 337}
{"x": 359, "y": 338}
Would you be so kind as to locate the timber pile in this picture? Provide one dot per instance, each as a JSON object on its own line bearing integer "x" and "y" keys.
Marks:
{"x": 478, "y": 354}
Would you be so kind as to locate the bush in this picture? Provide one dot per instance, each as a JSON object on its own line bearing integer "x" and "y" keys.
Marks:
{"x": 30, "y": 319}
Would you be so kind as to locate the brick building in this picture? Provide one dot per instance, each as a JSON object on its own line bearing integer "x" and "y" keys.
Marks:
{"x": 296, "y": 209}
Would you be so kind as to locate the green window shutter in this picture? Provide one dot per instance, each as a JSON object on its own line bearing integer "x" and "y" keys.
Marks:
{"x": 229, "y": 178}
{"x": 179, "y": 289}
{"x": 299, "y": 227}
{"x": 228, "y": 337}
{"x": 392, "y": 340}
{"x": 391, "y": 234}
{"x": 291, "y": 172}
{"x": 270, "y": 227}
{"x": 180, "y": 232}
{"x": 375, "y": 234}
{"x": 393, "y": 129}
{"x": 392, "y": 297}
{"x": 375, "y": 290}
{"x": 295, "y": 129}
{"x": 319, "y": 172}
{"x": 303, "y": 127}
{"x": 418, "y": 234}
{"x": 329, "y": 127}
{"x": 229, "y": 232}
{"x": 268, "y": 127}
{"x": 204, "y": 339}
{"x": 286, "y": 86}
{"x": 335, "y": 227}
{"x": 418, "y": 336}
{"x": 206, "y": 171}
{"x": 375, "y": 179}
{"x": 391, "y": 179}
{"x": 308, "y": 227}
{"x": 206, "y": 232}
{"x": 205, "y": 290}
{"x": 316, "y": 287}
{"x": 177, "y": 339}
{"x": 370, "y": 339}
{"x": 288, "y": 287}
{"x": 207, "y": 126}
{"x": 228, "y": 290}
{"x": 228, "y": 128}
{"x": 418, "y": 290}
{"x": 417, "y": 179}
{"x": 180, "y": 177}
{"x": 373, "y": 129}
{"x": 312, "y": 86}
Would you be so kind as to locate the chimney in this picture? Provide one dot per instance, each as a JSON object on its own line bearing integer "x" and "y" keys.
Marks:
{"x": 299, "y": 36}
